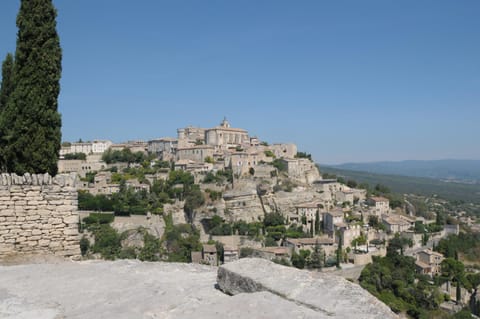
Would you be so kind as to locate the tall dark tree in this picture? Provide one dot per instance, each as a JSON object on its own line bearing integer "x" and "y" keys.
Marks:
{"x": 33, "y": 137}
{"x": 6, "y": 86}
{"x": 6, "y": 89}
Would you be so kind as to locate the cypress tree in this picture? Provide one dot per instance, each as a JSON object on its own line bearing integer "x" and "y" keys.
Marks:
{"x": 34, "y": 136}
{"x": 6, "y": 88}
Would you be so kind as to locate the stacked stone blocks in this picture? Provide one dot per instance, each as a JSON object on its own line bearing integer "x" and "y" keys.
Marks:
{"x": 38, "y": 214}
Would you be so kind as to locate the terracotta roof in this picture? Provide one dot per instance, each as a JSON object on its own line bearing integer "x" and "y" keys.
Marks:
{"x": 379, "y": 199}
{"x": 209, "y": 249}
{"x": 422, "y": 265}
{"x": 308, "y": 205}
{"x": 430, "y": 252}
{"x": 276, "y": 250}
{"x": 311, "y": 241}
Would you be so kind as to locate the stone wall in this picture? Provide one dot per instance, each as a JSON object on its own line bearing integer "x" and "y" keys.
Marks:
{"x": 38, "y": 215}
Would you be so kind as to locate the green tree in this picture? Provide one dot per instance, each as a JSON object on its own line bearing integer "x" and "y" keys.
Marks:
{"x": 339, "y": 251}
{"x": 32, "y": 141}
{"x": 6, "y": 89}
{"x": 398, "y": 244}
{"x": 454, "y": 270}
{"x": 316, "y": 257}
{"x": 6, "y": 86}
{"x": 193, "y": 200}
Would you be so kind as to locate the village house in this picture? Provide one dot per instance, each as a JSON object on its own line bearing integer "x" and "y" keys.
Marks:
{"x": 284, "y": 150}
{"x": 190, "y": 136}
{"x": 380, "y": 205}
{"x": 196, "y": 153}
{"x": 230, "y": 254}
{"x": 301, "y": 170}
{"x": 309, "y": 211}
{"x": 165, "y": 148}
{"x": 210, "y": 254}
{"x": 331, "y": 219}
{"x": 95, "y": 147}
{"x": 397, "y": 223}
{"x": 428, "y": 262}
{"x": 207, "y": 256}
{"x": 296, "y": 244}
{"x": 242, "y": 162}
{"x": 272, "y": 253}
{"x": 80, "y": 167}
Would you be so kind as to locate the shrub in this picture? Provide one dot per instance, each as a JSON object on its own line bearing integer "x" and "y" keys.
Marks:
{"x": 84, "y": 245}
{"x": 98, "y": 218}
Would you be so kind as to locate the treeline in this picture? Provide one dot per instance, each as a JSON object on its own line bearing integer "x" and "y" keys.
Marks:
{"x": 271, "y": 229}
{"x": 180, "y": 185}
{"x": 125, "y": 156}
{"x": 465, "y": 244}
{"x": 176, "y": 244}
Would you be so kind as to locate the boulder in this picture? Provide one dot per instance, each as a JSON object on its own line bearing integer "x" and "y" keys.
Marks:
{"x": 324, "y": 293}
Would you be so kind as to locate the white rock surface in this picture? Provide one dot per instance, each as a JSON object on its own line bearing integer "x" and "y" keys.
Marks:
{"x": 130, "y": 289}
{"x": 326, "y": 294}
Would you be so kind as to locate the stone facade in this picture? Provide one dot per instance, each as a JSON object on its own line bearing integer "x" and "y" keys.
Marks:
{"x": 196, "y": 154}
{"x": 224, "y": 137}
{"x": 38, "y": 214}
{"x": 95, "y": 147}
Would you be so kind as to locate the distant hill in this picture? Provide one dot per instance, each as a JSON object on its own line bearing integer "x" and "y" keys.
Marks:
{"x": 467, "y": 171}
{"x": 412, "y": 185}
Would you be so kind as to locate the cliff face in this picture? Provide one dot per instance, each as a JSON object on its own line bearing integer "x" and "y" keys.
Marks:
{"x": 132, "y": 289}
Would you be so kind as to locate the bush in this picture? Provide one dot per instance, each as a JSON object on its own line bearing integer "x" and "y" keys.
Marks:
{"x": 246, "y": 252}
{"x": 107, "y": 241}
{"x": 98, "y": 218}
{"x": 84, "y": 245}
{"x": 273, "y": 219}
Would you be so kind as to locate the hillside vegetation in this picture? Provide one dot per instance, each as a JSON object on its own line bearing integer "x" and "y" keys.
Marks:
{"x": 467, "y": 171}
{"x": 413, "y": 185}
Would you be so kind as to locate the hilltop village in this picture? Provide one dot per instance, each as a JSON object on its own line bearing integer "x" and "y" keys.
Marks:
{"x": 213, "y": 196}
{"x": 265, "y": 200}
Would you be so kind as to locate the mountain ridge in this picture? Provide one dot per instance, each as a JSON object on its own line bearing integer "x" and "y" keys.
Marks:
{"x": 456, "y": 170}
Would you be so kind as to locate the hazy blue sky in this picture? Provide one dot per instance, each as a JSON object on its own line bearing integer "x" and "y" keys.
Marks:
{"x": 345, "y": 80}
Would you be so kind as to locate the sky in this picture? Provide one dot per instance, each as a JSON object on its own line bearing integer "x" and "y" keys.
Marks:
{"x": 347, "y": 81}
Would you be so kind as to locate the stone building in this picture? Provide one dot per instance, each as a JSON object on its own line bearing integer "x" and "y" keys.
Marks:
{"x": 80, "y": 167}
{"x": 288, "y": 150}
{"x": 165, "y": 148}
{"x": 196, "y": 153}
{"x": 133, "y": 146}
{"x": 345, "y": 197}
{"x": 210, "y": 255}
{"x": 242, "y": 162}
{"x": 224, "y": 137}
{"x": 296, "y": 244}
{"x": 397, "y": 223}
{"x": 95, "y": 147}
{"x": 380, "y": 205}
{"x": 428, "y": 262}
{"x": 190, "y": 136}
{"x": 308, "y": 211}
{"x": 301, "y": 170}
{"x": 331, "y": 219}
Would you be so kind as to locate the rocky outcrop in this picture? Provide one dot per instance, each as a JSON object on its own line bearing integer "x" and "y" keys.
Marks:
{"x": 133, "y": 289}
{"x": 325, "y": 294}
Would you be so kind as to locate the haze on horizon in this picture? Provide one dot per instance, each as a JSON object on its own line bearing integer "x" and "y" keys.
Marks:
{"x": 346, "y": 81}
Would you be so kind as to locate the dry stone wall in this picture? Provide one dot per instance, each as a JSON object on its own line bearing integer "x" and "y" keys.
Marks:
{"x": 38, "y": 214}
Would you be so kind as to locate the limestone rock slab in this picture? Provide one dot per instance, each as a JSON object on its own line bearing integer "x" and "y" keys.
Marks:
{"x": 324, "y": 293}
